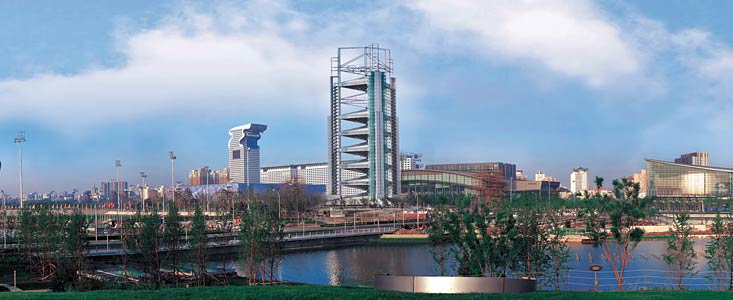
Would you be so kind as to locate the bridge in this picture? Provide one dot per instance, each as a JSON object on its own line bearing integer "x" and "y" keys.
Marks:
{"x": 227, "y": 243}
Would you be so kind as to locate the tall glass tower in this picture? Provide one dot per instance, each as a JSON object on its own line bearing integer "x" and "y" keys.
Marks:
{"x": 363, "y": 130}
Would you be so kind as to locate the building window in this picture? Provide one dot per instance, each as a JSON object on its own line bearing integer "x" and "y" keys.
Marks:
{"x": 236, "y": 154}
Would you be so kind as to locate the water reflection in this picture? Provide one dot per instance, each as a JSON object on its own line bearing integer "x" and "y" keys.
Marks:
{"x": 358, "y": 265}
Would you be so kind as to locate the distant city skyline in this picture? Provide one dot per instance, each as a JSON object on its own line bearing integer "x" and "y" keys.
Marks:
{"x": 90, "y": 83}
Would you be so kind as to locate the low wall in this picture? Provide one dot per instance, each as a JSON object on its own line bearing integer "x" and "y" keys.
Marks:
{"x": 453, "y": 285}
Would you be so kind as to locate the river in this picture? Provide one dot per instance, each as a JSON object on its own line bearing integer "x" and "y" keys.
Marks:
{"x": 358, "y": 265}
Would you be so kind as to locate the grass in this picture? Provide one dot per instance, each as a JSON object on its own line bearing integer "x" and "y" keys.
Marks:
{"x": 347, "y": 293}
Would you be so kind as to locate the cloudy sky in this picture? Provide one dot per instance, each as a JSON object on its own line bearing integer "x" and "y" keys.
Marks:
{"x": 547, "y": 85}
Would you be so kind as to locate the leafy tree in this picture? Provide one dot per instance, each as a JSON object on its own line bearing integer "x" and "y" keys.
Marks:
{"x": 27, "y": 235}
{"x": 199, "y": 248}
{"x": 260, "y": 235}
{"x": 172, "y": 238}
{"x": 481, "y": 249}
{"x": 556, "y": 247}
{"x": 719, "y": 253}
{"x": 681, "y": 256}
{"x": 144, "y": 239}
{"x": 599, "y": 183}
{"x": 624, "y": 212}
{"x": 73, "y": 260}
{"x": 39, "y": 239}
{"x": 438, "y": 238}
{"x": 531, "y": 241}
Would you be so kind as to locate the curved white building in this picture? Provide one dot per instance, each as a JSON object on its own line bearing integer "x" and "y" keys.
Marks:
{"x": 244, "y": 153}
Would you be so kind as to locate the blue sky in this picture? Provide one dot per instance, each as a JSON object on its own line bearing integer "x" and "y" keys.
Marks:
{"x": 547, "y": 85}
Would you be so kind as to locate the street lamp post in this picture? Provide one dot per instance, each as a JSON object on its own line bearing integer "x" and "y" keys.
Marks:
{"x": 173, "y": 183}
{"x": 247, "y": 167}
{"x": 19, "y": 139}
{"x": 5, "y": 217}
{"x": 118, "y": 164}
{"x": 142, "y": 189}
{"x": 208, "y": 172}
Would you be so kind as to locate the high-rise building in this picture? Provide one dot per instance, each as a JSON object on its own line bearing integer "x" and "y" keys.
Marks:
{"x": 200, "y": 176}
{"x": 640, "y": 178}
{"x": 220, "y": 177}
{"x": 109, "y": 189}
{"x": 409, "y": 161}
{"x": 579, "y": 180}
{"x": 694, "y": 158}
{"x": 520, "y": 175}
{"x": 363, "y": 126}
{"x": 244, "y": 153}
{"x": 539, "y": 176}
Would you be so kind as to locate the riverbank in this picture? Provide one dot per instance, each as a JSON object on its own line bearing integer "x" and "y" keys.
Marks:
{"x": 347, "y": 293}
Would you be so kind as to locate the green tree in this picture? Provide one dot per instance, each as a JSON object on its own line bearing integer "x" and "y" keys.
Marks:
{"x": 624, "y": 213}
{"x": 556, "y": 247}
{"x": 74, "y": 248}
{"x": 260, "y": 235}
{"x": 438, "y": 238}
{"x": 719, "y": 253}
{"x": 172, "y": 238}
{"x": 145, "y": 241}
{"x": 482, "y": 248}
{"x": 199, "y": 248}
{"x": 599, "y": 183}
{"x": 681, "y": 255}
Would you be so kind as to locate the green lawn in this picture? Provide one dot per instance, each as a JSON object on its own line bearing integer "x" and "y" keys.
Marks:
{"x": 327, "y": 292}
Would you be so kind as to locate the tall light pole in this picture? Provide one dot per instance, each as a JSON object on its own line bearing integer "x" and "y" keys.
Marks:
{"x": 247, "y": 167}
{"x": 118, "y": 164}
{"x": 207, "y": 188}
{"x": 5, "y": 216}
{"x": 142, "y": 189}
{"x": 173, "y": 176}
{"x": 19, "y": 139}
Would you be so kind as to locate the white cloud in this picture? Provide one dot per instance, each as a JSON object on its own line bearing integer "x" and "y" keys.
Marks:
{"x": 232, "y": 61}
{"x": 572, "y": 38}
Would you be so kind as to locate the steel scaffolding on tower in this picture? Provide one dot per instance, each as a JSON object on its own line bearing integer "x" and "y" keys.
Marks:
{"x": 363, "y": 126}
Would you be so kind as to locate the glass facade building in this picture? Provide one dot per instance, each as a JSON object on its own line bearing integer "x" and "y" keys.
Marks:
{"x": 506, "y": 170}
{"x": 436, "y": 182}
{"x": 687, "y": 184}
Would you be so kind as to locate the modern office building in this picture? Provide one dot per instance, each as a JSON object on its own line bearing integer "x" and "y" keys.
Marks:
{"x": 435, "y": 182}
{"x": 538, "y": 188}
{"x": 506, "y": 170}
{"x": 311, "y": 173}
{"x": 108, "y": 189}
{"x": 204, "y": 175}
{"x": 694, "y": 158}
{"x": 409, "y": 161}
{"x": 487, "y": 180}
{"x": 685, "y": 186}
{"x": 200, "y": 176}
{"x": 579, "y": 180}
{"x": 244, "y": 153}
{"x": 363, "y": 126}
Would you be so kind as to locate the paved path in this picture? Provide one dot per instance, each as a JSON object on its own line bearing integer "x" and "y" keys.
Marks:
{"x": 10, "y": 287}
